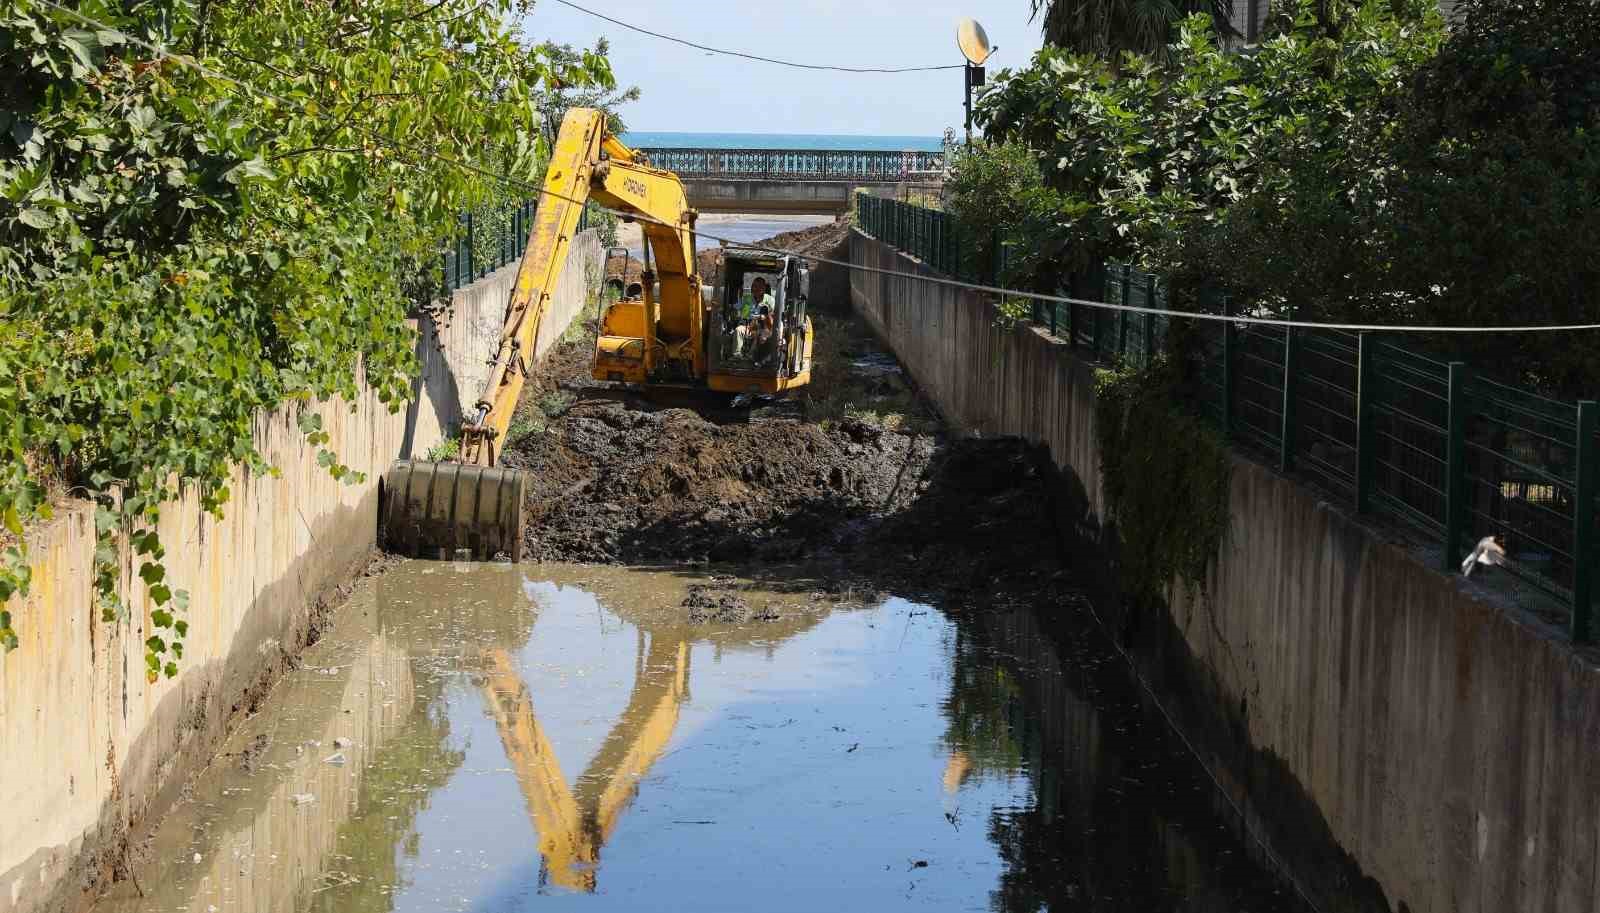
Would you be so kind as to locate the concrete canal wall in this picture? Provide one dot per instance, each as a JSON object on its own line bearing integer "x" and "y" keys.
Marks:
{"x": 88, "y": 747}
{"x": 455, "y": 346}
{"x": 1394, "y": 736}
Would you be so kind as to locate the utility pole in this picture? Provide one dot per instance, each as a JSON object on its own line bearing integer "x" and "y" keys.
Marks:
{"x": 974, "y": 45}
{"x": 974, "y": 79}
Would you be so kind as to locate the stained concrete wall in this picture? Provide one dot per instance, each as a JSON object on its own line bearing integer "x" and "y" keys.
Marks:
{"x": 88, "y": 746}
{"x": 1398, "y": 739}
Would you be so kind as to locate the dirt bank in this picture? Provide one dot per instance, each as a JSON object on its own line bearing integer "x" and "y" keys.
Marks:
{"x": 817, "y": 240}
{"x": 855, "y": 471}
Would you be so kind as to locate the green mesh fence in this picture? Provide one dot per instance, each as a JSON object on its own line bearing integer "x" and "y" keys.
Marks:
{"x": 1390, "y": 431}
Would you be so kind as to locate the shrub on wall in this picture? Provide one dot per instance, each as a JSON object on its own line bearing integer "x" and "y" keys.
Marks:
{"x": 1165, "y": 474}
{"x": 187, "y": 240}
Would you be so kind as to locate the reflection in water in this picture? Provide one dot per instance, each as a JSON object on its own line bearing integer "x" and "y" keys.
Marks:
{"x": 286, "y": 814}
{"x": 573, "y": 827}
{"x": 1120, "y": 816}
{"x": 858, "y": 758}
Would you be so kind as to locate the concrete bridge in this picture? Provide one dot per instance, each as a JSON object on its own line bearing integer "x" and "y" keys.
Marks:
{"x": 792, "y": 180}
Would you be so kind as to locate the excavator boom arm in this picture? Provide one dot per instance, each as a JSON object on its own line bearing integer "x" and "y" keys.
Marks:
{"x": 586, "y": 163}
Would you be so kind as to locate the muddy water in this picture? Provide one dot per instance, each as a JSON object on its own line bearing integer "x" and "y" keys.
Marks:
{"x": 553, "y": 737}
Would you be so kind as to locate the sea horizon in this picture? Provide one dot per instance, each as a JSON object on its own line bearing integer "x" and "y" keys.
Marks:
{"x": 816, "y": 141}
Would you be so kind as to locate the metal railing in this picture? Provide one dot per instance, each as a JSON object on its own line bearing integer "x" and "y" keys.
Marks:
{"x": 798, "y": 164}
{"x": 488, "y": 240}
{"x": 930, "y": 235}
{"x": 1393, "y": 432}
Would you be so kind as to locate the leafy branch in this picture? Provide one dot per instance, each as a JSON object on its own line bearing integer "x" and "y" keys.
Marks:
{"x": 180, "y": 254}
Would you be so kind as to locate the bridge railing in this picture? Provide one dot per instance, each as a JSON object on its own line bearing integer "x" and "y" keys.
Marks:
{"x": 1391, "y": 430}
{"x": 798, "y": 164}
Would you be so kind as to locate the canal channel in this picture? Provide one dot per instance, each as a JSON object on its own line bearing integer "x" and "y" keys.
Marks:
{"x": 552, "y": 736}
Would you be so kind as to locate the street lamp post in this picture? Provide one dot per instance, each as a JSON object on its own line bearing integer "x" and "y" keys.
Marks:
{"x": 974, "y": 45}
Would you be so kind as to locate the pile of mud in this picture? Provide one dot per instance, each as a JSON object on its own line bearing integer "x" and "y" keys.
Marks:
{"x": 817, "y": 240}
{"x": 619, "y": 482}
{"x": 712, "y": 604}
{"x": 626, "y": 482}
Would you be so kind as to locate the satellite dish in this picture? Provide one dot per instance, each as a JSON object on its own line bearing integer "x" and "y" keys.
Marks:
{"x": 973, "y": 41}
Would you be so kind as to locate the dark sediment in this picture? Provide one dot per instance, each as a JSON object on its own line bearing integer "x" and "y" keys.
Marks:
{"x": 853, "y": 472}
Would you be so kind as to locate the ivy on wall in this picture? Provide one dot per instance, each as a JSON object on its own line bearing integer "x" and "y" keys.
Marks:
{"x": 212, "y": 209}
{"x": 1166, "y": 476}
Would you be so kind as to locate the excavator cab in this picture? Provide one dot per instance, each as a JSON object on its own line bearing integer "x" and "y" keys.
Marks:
{"x": 754, "y": 346}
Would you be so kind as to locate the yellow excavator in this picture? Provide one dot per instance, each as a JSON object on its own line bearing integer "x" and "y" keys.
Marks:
{"x": 750, "y": 334}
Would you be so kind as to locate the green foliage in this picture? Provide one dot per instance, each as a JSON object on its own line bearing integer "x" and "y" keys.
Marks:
{"x": 603, "y": 95}
{"x": 1491, "y": 217}
{"x": 1009, "y": 311}
{"x": 523, "y": 426}
{"x": 986, "y": 699}
{"x": 556, "y": 403}
{"x": 1165, "y": 474}
{"x": 447, "y": 449}
{"x": 994, "y": 191}
{"x": 178, "y": 252}
{"x": 605, "y": 223}
{"x": 1458, "y": 194}
{"x": 1143, "y": 153}
{"x": 1363, "y": 164}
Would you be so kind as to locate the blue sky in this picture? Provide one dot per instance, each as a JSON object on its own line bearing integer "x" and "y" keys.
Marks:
{"x": 686, "y": 90}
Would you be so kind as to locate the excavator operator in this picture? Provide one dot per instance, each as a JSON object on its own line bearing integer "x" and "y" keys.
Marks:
{"x": 761, "y": 292}
{"x": 752, "y": 305}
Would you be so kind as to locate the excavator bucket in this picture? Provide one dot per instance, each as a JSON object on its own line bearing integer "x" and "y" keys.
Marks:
{"x": 452, "y": 511}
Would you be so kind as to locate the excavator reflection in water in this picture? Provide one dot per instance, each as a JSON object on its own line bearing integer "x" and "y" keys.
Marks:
{"x": 574, "y": 822}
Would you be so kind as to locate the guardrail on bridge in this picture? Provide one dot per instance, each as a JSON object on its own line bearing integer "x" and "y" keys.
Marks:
{"x": 799, "y": 164}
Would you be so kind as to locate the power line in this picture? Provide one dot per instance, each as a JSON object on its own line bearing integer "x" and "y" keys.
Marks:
{"x": 757, "y": 57}
{"x": 529, "y": 187}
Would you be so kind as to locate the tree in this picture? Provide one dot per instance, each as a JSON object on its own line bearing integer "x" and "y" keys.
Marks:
{"x": 607, "y": 97}
{"x": 1492, "y": 219}
{"x": 1147, "y": 159}
{"x": 1364, "y": 164}
{"x": 991, "y": 193}
{"x": 185, "y": 242}
{"x": 1109, "y": 28}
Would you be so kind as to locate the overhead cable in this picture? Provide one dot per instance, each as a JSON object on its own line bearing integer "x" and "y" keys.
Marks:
{"x": 757, "y": 57}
